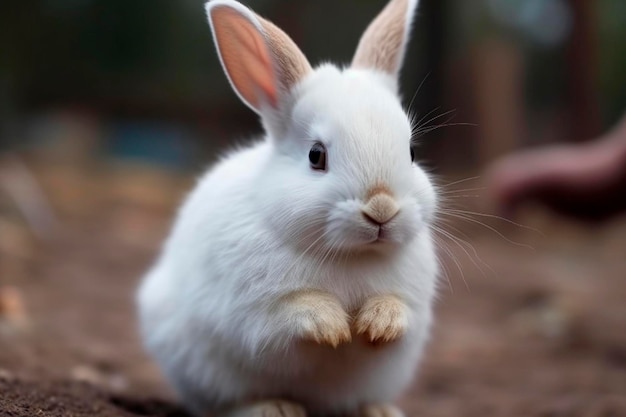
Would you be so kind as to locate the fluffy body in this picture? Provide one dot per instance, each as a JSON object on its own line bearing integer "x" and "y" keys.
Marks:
{"x": 240, "y": 242}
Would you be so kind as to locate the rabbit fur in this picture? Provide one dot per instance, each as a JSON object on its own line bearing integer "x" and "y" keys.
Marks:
{"x": 284, "y": 290}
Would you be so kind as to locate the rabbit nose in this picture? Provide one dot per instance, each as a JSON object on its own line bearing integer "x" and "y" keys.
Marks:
{"x": 380, "y": 209}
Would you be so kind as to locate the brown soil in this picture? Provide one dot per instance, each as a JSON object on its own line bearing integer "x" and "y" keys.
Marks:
{"x": 537, "y": 333}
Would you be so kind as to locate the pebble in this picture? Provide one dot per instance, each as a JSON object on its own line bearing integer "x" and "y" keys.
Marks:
{"x": 87, "y": 374}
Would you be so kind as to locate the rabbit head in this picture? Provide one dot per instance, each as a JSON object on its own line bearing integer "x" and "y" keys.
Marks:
{"x": 340, "y": 171}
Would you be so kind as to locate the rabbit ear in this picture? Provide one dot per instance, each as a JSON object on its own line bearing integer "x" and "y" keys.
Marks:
{"x": 261, "y": 62}
{"x": 383, "y": 44}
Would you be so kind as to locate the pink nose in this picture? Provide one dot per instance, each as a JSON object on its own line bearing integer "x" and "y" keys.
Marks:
{"x": 380, "y": 209}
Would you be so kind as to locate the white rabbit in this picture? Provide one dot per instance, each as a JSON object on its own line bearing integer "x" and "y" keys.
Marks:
{"x": 300, "y": 272}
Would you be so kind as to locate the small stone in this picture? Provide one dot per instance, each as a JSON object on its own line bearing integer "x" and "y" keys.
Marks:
{"x": 86, "y": 374}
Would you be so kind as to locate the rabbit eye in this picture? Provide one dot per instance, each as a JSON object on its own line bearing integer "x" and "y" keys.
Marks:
{"x": 317, "y": 157}
{"x": 412, "y": 155}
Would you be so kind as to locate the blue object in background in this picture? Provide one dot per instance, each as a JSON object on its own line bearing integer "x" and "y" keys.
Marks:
{"x": 153, "y": 142}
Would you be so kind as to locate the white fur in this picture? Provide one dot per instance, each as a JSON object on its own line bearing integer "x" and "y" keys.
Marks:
{"x": 262, "y": 223}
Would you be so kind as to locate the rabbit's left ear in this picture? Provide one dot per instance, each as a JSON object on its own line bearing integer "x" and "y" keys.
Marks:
{"x": 383, "y": 44}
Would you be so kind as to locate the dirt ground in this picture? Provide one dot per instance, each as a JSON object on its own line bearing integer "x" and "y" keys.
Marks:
{"x": 523, "y": 331}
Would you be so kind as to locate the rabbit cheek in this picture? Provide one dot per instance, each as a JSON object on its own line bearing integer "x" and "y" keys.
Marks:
{"x": 408, "y": 225}
{"x": 347, "y": 226}
{"x": 354, "y": 230}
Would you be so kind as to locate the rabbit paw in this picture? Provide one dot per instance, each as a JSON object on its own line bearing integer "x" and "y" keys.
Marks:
{"x": 318, "y": 317}
{"x": 382, "y": 319}
{"x": 381, "y": 410}
{"x": 277, "y": 408}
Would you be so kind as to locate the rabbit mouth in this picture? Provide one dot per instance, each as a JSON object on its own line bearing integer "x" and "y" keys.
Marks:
{"x": 354, "y": 228}
{"x": 383, "y": 236}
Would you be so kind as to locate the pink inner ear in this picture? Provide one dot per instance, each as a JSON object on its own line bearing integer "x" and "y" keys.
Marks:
{"x": 246, "y": 58}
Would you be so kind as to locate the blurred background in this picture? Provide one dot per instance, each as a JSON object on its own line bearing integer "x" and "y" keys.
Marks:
{"x": 143, "y": 84}
{"x": 110, "y": 109}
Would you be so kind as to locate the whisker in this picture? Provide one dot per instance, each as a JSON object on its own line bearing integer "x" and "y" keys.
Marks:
{"x": 461, "y": 181}
{"x": 464, "y": 190}
{"x": 452, "y": 238}
{"x": 442, "y": 264}
{"x": 493, "y": 216}
{"x": 451, "y": 255}
{"x": 299, "y": 258}
{"x": 427, "y": 129}
{"x": 439, "y": 116}
{"x": 419, "y": 87}
{"x": 418, "y": 123}
{"x": 471, "y": 247}
{"x": 469, "y": 219}
{"x": 463, "y": 196}
{"x": 329, "y": 253}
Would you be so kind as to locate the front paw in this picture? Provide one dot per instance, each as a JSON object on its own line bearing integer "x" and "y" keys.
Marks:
{"x": 318, "y": 317}
{"x": 382, "y": 319}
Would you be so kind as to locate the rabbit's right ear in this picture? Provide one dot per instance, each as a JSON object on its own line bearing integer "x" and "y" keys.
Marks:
{"x": 383, "y": 45}
{"x": 261, "y": 61}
